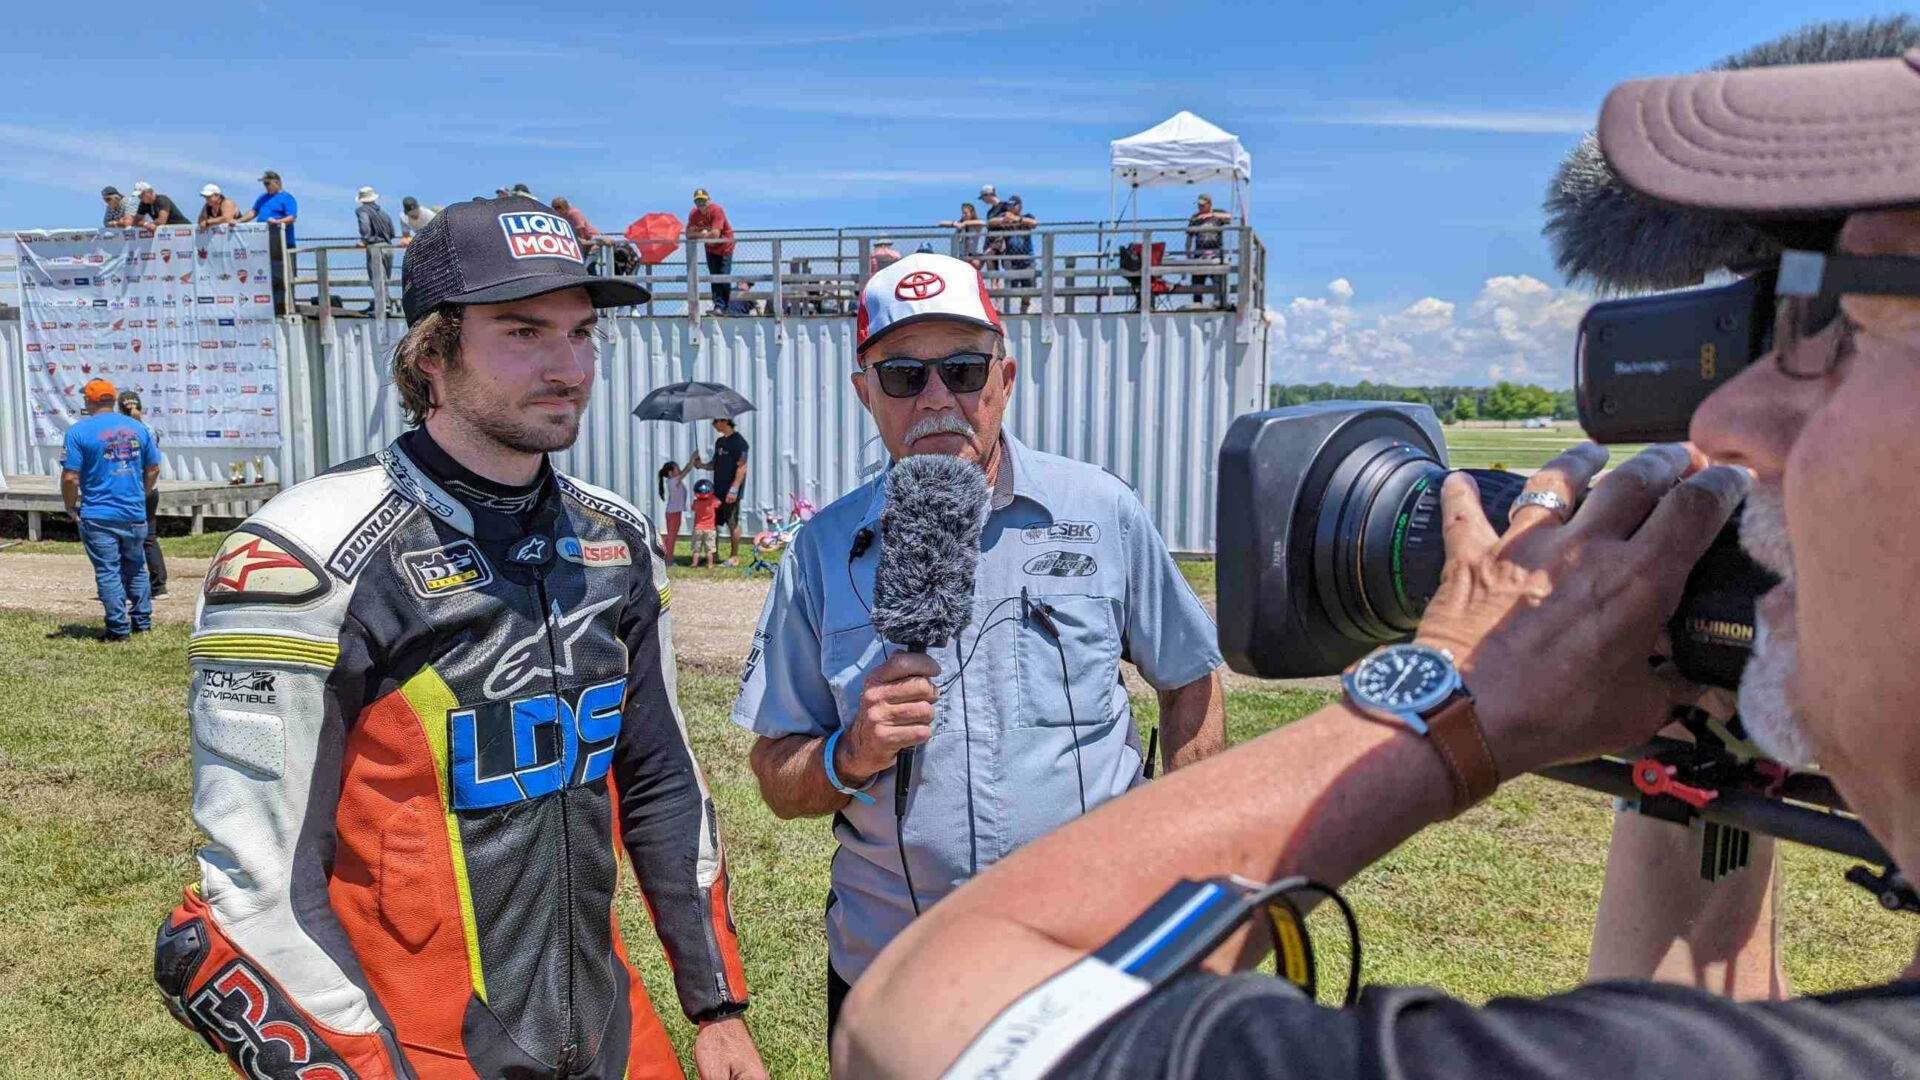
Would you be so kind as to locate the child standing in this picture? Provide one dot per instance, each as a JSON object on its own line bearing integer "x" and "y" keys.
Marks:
{"x": 672, "y": 484}
{"x": 705, "y": 535}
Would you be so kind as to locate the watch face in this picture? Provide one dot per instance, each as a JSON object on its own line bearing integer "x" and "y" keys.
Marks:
{"x": 1403, "y": 679}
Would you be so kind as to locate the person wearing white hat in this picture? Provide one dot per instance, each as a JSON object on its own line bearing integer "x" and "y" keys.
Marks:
{"x": 218, "y": 208}
{"x": 1072, "y": 577}
{"x": 152, "y": 208}
{"x": 376, "y": 235}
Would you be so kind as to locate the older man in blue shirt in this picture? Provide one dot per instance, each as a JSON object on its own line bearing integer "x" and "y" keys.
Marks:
{"x": 1023, "y": 720}
{"x": 108, "y": 464}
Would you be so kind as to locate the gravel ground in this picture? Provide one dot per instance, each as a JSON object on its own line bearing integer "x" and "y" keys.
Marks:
{"x": 713, "y": 619}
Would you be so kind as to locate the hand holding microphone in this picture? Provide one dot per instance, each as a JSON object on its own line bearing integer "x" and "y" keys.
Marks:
{"x": 896, "y": 714}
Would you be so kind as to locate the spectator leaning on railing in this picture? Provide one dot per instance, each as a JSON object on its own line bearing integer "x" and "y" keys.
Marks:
{"x": 218, "y": 209}
{"x": 969, "y": 227}
{"x": 708, "y": 221}
{"x": 1206, "y": 242}
{"x": 376, "y": 235}
{"x": 154, "y": 208}
{"x": 1015, "y": 243}
{"x": 119, "y": 209}
{"x": 413, "y": 218}
{"x": 276, "y": 206}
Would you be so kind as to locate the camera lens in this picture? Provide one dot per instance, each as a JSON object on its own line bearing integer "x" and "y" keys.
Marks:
{"x": 1379, "y": 550}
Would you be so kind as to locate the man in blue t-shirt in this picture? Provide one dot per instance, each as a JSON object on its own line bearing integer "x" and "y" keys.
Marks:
{"x": 275, "y": 206}
{"x": 109, "y": 465}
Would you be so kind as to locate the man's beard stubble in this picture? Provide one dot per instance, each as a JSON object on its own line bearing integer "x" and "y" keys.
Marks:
{"x": 1768, "y": 708}
{"x": 504, "y": 426}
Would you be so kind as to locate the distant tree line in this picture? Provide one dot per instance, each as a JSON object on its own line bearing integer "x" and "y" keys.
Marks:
{"x": 1502, "y": 401}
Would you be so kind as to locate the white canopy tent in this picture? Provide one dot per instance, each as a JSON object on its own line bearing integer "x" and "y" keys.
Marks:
{"x": 1183, "y": 149}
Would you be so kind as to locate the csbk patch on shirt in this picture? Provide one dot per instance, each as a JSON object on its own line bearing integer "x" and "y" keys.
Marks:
{"x": 1062, "y": 532}
{"x": 254, "y": 565}
{"x": 592, "y": 553}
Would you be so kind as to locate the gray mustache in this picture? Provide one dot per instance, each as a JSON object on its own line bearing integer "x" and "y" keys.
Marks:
{"x": 939, "y": 424}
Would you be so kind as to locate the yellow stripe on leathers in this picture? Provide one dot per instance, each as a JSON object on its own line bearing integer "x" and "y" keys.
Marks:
{"x": 431, "y": 700}
{"x": 267, "y": 648}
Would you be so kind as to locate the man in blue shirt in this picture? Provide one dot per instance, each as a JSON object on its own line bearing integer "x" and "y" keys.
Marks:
{"x": 1023, "y": 723}
{"x": 275, "y": 206}
{"x": 109, "y": 465}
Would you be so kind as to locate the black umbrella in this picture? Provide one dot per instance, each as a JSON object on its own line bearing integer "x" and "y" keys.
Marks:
{"x": 690, "y": 401}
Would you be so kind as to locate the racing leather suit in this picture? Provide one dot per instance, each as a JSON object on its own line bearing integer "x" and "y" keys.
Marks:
{"x": 423, "y": 717}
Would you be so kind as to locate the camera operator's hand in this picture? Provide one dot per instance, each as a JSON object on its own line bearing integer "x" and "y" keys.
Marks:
{"x": 1552, "y": 624}
{"x": 896, "y": 713}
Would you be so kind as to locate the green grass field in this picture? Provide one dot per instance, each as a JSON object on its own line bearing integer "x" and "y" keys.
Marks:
{"x": 1517, "y": 448}
{"x": 96, "y": 842}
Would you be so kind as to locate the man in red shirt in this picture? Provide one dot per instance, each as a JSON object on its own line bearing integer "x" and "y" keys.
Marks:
{"x": 582, "y": 228}
{"x": 708, "y": 221}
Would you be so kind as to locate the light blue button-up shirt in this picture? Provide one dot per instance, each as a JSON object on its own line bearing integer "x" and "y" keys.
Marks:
{"x": 1002, "y": 766}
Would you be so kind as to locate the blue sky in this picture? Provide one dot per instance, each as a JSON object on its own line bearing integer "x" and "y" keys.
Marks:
{"x": 1400, "y": 151}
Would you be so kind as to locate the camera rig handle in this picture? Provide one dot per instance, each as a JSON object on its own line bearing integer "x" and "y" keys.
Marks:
{"x": 1753, "y": 795}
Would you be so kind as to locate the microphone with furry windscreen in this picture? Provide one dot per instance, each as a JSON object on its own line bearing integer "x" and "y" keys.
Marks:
{"x": 929, "y": 547}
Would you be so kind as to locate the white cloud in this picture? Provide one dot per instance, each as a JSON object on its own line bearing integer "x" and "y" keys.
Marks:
{"x": 1424, "y": 115}
{"x": 1518, "y": 328}
{"x": 120, "y": 158}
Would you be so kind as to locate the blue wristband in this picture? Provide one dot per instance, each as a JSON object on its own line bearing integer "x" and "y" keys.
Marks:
{"x": 833, "y": 778}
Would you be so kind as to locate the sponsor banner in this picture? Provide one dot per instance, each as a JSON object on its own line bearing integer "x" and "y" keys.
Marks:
{"x": 182, "y": 315}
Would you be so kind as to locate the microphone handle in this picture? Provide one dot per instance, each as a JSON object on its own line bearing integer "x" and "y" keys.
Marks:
{"x": 903, "y": 767}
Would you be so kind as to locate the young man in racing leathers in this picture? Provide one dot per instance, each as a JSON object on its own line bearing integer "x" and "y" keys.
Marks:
{"x": 432, "y": 690}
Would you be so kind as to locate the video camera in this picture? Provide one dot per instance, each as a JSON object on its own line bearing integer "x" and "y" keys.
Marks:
{"x": 1330, "y": 546}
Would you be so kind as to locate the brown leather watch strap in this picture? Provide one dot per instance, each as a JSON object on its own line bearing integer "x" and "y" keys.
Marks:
{"x": 1454, "y": 731}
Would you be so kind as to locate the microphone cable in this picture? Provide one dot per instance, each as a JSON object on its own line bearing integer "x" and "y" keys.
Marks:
{"x": 1044, "y": 612}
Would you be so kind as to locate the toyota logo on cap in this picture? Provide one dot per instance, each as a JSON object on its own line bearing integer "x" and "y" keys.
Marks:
{"x": 924, "y": 286}
{"x": 920, "y": 285}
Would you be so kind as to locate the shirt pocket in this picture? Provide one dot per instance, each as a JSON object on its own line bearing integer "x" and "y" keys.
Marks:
{"x": 1068, "y": 681}
{"x": 845, "y": 658}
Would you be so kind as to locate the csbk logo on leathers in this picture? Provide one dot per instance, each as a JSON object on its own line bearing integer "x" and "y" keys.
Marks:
{"x": 522, "y": 662}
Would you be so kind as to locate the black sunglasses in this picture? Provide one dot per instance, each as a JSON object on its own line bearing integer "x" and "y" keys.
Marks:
{"x": 906, "y": 376}
{"x": 1807, "y": 296}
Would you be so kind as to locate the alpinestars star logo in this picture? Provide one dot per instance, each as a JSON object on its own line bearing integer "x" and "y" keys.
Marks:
{"x": 533, "y": 551}
{"x": 522, "y": 662}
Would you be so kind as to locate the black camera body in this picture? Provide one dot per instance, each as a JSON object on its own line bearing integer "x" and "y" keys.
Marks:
{"x": 1643, "y": 365}
{"x": 1330, "y": 544}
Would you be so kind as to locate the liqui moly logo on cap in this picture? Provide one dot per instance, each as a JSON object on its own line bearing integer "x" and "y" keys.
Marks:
{"x": 540, "y": 236}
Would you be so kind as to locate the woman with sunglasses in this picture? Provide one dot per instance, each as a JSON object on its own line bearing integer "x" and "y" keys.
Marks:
{"x": 1035, "y": 725}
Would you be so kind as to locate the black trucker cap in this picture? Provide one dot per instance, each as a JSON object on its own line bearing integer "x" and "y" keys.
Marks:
{"x": 490, "y": 251}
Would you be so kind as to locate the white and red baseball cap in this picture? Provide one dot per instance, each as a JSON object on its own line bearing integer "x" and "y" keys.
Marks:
{"x": 920, "y": 288}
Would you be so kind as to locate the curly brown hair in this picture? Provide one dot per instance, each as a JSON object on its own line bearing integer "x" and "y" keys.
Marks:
{"x": 437, "y": 336}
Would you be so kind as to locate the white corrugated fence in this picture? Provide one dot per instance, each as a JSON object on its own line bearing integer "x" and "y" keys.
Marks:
{"x": 1151, "y": 410}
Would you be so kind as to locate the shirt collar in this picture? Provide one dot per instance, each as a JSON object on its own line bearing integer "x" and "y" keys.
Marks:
{"x": 1013, "y": 479}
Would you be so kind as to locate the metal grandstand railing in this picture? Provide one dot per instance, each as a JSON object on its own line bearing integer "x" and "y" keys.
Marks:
{"x": 1058, "y": 269}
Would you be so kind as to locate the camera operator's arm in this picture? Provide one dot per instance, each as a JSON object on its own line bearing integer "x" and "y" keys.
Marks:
{"x": 1550, "y": 625}
{"x": 1660, "y": 920}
